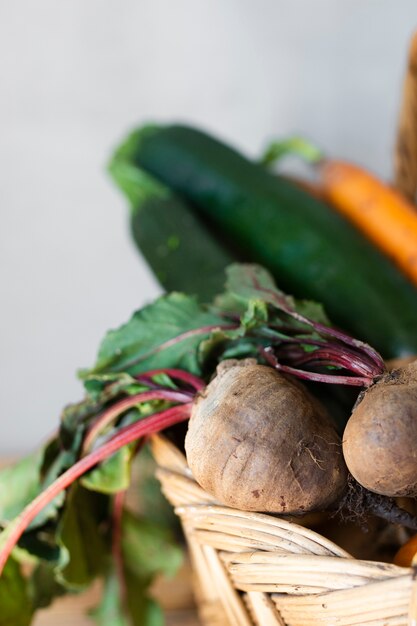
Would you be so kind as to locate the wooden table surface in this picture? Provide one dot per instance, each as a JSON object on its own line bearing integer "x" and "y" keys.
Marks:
{"x": 173, "y": 594}
{"x": 70, "y": 612}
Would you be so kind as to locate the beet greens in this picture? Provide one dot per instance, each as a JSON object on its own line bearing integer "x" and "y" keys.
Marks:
{"x": 145, "y": 378}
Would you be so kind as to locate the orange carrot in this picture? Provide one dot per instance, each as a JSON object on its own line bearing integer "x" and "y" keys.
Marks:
{"x": 407, "y": 553}
{"x": 383, "y": 215}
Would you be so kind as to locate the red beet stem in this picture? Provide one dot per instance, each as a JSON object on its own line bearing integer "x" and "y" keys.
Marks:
{"x": 352, "y": 357}
{"x": 315, "y": 376}
{"x": 331, "y": 357}
{"x": 186, "y": 377}
{"x": 120, "y": 407}
{"x": 146, "y": 426}
{"x": 325, "y": 378}
{"x": 282, "y": 303}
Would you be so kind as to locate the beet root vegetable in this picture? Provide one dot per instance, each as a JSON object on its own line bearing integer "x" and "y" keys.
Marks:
{"x": 380, "y": 439}
{"x": 258, "y": 441}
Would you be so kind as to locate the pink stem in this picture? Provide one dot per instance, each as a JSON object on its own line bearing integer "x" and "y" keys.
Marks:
{"x": 327, "y": 356}
{"x": 330, "y": 357}
{"x": 348, "y": 340}
{"x": 146, "y": 426}
{"x": 192, "y": 380}
{"x": 281, "y": 302}
{"x": 325, "y": 378}
{"x": 315, "y": 376}
{"x": 337, "y": 349}
{"x": 117, "y": 409}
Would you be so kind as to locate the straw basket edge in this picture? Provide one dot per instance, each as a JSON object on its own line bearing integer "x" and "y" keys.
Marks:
{"x": 254, "y": 569}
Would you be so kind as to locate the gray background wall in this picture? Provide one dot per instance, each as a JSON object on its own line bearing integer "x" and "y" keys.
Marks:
{"x": 76, "y": 74}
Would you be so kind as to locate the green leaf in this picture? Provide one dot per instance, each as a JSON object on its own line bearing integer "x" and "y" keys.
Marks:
{"x": 33, "y": 545}
{"x": 243, "y": 349}
{"x": 138, "y": 610}
{"x": 143, "y": 610}
{"x": 19, "y": 484}
{"x": 255, "y": 315}
{"x": 254, "y": 287}
{"x": 82, "y": 535}
{"x": 148, "y": 549}
{"x": 39, "y": 544}
{"x": 212, "y": 349}
{"x": 113, "y": 474}
{"x": 44, "y": 587}
{"x": 165, "y": 333}
{"x": 149, "y": 501}
{"x": 137, "y": 184}
{"x": 15, "y": 603}
{"x": 101, "y": 389}
{"x": 164, "y": 381}
{"x": 248, "y": 283}
{"x": 109, "y": 611}
{"x": 313, "y": 310}
{"x": 56, "y": 461}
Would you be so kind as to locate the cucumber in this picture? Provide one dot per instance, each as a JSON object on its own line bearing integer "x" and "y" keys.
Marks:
{"x": 312, "y": 251}
{"x": 180, "y": 250}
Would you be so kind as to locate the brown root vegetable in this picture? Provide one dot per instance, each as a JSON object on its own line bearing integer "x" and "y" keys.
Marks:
{"x": 258, "y": 441}
{"x": 380, "y": 439}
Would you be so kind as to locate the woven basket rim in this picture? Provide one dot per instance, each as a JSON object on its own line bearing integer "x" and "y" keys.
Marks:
{"x": 273, "y": 571}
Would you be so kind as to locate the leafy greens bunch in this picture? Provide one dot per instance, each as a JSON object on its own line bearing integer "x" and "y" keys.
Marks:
{"x": 62, "y": 509}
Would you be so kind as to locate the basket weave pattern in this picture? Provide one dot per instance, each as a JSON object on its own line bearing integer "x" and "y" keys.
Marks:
{"x": 257, "y": 569}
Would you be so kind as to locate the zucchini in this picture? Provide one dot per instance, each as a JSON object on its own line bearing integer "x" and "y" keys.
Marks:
{"x": 312, "y": 251}
{"x": 180, "y": 250}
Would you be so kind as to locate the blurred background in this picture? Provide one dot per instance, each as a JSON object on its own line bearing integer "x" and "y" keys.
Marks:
{"x": 75, "y": 75}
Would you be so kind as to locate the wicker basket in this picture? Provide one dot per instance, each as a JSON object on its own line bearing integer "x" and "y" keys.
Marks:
{"x": 256, "y": 569}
